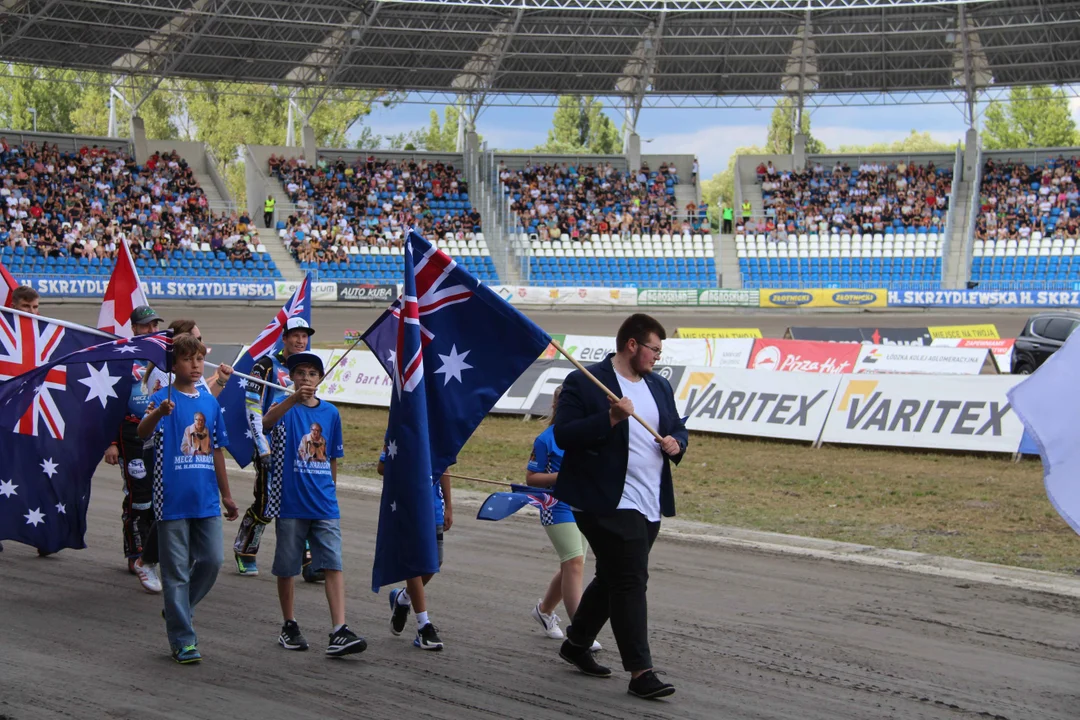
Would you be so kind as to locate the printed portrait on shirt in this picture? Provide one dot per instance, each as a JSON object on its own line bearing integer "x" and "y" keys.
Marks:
{"x": 313, "y": 445}
{"x": 196, "y": 439}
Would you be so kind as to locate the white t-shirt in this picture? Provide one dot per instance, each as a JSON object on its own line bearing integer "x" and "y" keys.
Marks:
{"x": 641, "y": 491}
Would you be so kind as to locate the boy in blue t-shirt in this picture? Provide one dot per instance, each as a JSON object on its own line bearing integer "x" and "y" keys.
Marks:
{"x": 190, "y": 486}
{"x": 305, "y": 443}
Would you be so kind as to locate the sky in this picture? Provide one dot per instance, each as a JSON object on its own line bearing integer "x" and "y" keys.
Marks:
{"x": 711, "y": 134}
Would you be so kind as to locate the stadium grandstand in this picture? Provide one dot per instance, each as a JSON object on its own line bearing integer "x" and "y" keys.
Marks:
{"x": 932, "y": 221}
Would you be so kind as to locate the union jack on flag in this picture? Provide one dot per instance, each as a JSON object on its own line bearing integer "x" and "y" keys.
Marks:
{"x": 26, "y": 343}
{"x": 298, "y": 305}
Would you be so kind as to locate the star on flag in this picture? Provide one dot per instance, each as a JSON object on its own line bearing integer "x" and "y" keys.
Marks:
{"x": 101, "y": 384}
{"x": 35, "y": 517}
{"x": 453, "y": 365}
{"x": 7, "y": 489}
{"x": 61, "y": 508}
{"x": 49, "y": 467}
{"x": 391, "y": 449}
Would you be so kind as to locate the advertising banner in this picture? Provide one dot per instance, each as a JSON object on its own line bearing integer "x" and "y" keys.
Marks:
{"x": 953, "y": 413}
{"x": 1001, "y": 348}
{"x": 531, "y": 393}
{"x": 822, "y": 298}
{"x": 982, "y": 332}
{"x": 804, "y": 356}
{"x": 358, "y": 380}
{"x": 172, "y": 289}
{"x": 596, "y": 296}
{"x": 717, "y": 333}
{"x": 366, "y": 293}
{"x": 924, "y": 360}
{"x": 866, "y": 335}
{"x": 743, "y": 402}
{"x": 704, "y": 297}
{"x": 527, "y": 294}
{"x": 710, "y": 352}
{"x": 321, "y": 291}
{"x": 983, "y": 298}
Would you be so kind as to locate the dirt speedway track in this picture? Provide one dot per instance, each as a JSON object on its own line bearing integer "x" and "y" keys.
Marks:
{"x": 241, "y": 323}
{"x": 742, "y": 635}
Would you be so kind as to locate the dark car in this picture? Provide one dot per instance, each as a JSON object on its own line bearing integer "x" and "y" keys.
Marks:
{"x": 1041, "y": 337}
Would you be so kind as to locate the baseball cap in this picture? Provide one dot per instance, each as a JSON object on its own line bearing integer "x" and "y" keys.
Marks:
{"x": 144, "y": 314}
{"x": 298, "y": 323}
{"x": 305, "y": 358}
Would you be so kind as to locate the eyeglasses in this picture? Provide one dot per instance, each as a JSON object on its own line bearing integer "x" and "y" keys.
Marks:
{"x": 656, "y": 351}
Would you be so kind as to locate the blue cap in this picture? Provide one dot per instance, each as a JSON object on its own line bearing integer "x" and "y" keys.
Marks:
{"x": 305, "y": 358}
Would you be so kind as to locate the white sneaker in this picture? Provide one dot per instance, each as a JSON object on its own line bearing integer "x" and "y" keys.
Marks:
{"x": 148, "y": 577}
{"x": 550, "y": 623}
{"x": 596, "y": 647}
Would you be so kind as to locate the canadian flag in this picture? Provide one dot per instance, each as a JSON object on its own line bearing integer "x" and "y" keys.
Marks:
{"x": 8, "y": 287}
{"x": 123, "y": 295}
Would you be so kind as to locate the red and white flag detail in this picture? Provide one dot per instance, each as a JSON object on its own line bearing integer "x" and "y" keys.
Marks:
{"x": 123, "y": 295}
{"x": 8, "y": 286}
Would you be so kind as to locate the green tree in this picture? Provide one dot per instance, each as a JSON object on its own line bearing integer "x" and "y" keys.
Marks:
{"x": 1034, "y": 117}
{"x": 781, "y": 137}
{"x": 439, "y": 137}
{"x": 579, "y": 125}
{"x": 914, "y": 142}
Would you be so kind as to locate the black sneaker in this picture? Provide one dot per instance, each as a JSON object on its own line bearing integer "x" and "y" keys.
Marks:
{"x": 345, "y": 642}
{"x": 650, "y": 687}
{"x": 427, "y": 638}
{"x": 291, "y": 638}
{"x": 583, "y": 659}
{"x": 313, "y": 576}
{"x": 399, "y": 614}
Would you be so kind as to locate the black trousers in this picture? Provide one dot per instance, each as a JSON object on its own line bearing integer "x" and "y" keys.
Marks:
{"x": 620, "y": 543}
{"x": 137, "y": 509}
{"x": 268, "y": 219}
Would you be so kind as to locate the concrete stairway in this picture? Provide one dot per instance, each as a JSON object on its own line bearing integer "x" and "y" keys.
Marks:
{"x": 955, "y": 271}
{"x": 279, "y": 253}
{"x": 727, "y": 261}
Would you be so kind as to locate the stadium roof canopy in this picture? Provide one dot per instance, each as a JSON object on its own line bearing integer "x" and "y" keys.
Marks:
{"x": 683, "y": 53}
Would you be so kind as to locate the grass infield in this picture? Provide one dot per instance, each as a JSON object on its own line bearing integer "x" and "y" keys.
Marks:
{"x": 978, "y": 507}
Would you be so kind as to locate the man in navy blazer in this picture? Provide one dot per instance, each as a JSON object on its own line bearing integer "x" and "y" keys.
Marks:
{"x": 617, "y": 478}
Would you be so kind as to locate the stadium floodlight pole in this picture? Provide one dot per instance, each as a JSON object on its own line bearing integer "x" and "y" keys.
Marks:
{"x": 555, "y": 344}
{"x": 111, "y": 336}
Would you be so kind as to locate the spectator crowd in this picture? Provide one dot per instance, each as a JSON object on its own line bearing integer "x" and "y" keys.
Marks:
{"x": 571, "y": 201}
{"x": 79, "y": 204}
{"x": 865, "y": 199}
{"x": 1017, "y": 200}
{"x": 342, "y": 205}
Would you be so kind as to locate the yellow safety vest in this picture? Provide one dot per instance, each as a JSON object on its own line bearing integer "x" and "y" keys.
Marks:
{"x": 268, "y": 206}
{"x": 746, "y": 209}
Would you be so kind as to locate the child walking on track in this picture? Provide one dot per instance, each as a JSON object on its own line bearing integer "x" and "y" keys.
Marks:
{"x": 413, "y": 596}
{"x": 187, "y": 488}
{"x": 305, "y": 444}
{"x": 558, "y": 522}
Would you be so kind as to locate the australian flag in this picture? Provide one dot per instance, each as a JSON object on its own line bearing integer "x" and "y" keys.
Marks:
{"x": 453, "y": 347}
{"x": 58, "y": 414}
{"x": 501, "y": 505}
{"x": 233, "y": 398}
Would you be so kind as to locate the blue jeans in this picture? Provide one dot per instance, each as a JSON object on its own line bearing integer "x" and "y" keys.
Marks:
{"x": 190, "y": 556}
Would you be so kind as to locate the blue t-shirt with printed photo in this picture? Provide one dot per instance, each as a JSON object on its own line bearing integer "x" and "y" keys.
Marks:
{"x": 303, "y": 443}
{"x": 547, "y": 458}
{"x": 185, "y": 484}
{"x": 436, "y": 492}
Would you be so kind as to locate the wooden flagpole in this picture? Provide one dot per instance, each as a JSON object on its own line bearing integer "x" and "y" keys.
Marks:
{"x": 479, "y": 480}
{"x": 338, "y": 361}
{"x": 602, "y": 386}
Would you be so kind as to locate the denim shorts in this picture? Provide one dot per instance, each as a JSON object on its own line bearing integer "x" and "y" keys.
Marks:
{"x": 324, "y": 536}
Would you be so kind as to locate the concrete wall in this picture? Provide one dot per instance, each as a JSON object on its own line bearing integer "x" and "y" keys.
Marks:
{"x": 67, "y": 143}
{"x": 1034, "y": 156}
{"x": 257, "y": 178}
{"x": 193, "y": 152}
{"x": 684, "y": 164}
{"x": 941, "y": 159}
{"x": 518, "y": 161}
{"x": 352, "y": 155}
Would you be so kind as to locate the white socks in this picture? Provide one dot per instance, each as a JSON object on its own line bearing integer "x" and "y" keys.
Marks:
{"x": 403, "y": 598}
{"x": 421, "y": 620}
{"x": 336, "y": 628}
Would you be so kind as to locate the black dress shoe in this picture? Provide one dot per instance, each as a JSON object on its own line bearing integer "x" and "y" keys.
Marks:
{"x": 583, "y": 659}
{"x": 650, "y": 687}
